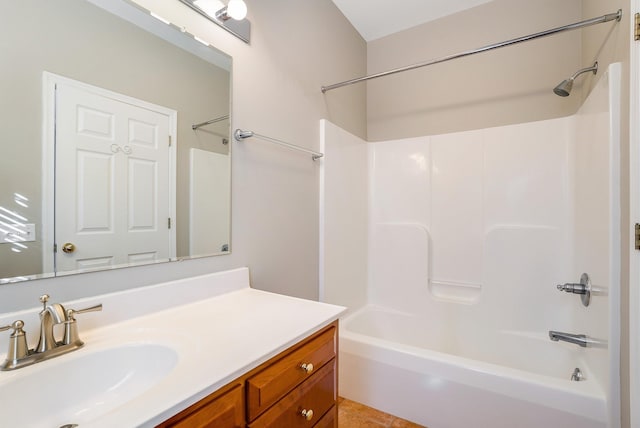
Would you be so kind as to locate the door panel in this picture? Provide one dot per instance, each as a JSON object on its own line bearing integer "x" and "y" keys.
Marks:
{"x": 95, "y": 192}
{"x": 142, "y": 195}
{"x": 113, "y": 168}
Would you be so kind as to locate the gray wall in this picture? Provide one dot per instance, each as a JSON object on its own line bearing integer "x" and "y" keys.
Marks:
{"x": 296, "y": 48}
{"x": 505, "y": 86}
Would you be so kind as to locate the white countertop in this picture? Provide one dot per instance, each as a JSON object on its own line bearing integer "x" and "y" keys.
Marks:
{"x": 217, "y": 338}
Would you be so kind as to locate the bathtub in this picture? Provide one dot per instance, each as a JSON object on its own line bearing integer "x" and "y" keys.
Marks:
{"x": 514, "y": 380}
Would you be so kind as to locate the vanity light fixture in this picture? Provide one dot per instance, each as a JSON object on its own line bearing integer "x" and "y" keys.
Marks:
{"x": 210, "y": 7}
{"x": 236, "y": 9}
{"x": 231, "y": 17}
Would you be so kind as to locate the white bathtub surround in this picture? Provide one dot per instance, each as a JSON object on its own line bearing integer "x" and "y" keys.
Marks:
{"x": 343, "y": 262}
{"x": 210, "y": 329}
{"x": 469, "y": 233}
{"x": 597, "y": 229}
{"x": 382, "y": 364}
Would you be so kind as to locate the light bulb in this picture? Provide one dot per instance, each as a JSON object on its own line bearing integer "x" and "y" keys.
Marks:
{"x": 237, "y": 9}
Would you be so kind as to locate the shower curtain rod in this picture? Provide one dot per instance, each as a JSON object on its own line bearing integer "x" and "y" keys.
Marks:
{"x": 209, "y": 122}
{"x": 593, "y": 21}
{"x": 240, "y": 135}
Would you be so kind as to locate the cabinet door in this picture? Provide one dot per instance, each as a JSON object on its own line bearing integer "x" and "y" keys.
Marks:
{"x": 274, "y": 382}
{"x": 305, "y": 405}
{"x": 329, "y": 420}
{"x": 221, "y": 411}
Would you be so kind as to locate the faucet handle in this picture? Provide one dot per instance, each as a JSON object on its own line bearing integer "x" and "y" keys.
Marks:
{"x": 72, "y": 312}
{"x": 583, "y": 288}
{"x": 16, "y": 325}
{"x": 17, "y": 341}
{"x": 71, "y": 326}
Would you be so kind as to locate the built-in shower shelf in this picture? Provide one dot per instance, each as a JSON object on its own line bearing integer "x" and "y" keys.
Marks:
{"x": 455, "y": 291}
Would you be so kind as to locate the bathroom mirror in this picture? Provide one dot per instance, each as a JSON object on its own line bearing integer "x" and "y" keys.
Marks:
{"x": 101, "y": 167}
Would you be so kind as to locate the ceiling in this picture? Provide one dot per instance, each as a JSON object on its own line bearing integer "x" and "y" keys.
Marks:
{"x": 378, "y": 18}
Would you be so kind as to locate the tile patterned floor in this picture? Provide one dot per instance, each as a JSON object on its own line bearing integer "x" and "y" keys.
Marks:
{"x": 356, "y": 415}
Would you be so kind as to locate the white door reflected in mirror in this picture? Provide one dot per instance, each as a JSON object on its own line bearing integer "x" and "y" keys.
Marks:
{"x": 115, "y": 168}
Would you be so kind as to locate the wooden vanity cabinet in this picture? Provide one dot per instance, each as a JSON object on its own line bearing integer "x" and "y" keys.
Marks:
{"x": 283, "y": 374}
{"x": 222, "y": 409}
{"x": 329, "y": 420}
{"x": 303, "y": 406}
{"x": 296, "y": 388}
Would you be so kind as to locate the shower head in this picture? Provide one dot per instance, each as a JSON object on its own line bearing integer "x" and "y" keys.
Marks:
{"x": 564, "y": 88}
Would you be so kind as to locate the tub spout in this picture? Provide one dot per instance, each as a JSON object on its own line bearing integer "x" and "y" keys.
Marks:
{"x": 577, "y": 339}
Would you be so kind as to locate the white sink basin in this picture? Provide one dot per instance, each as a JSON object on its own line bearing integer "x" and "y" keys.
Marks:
{"x": 75, "y": 389}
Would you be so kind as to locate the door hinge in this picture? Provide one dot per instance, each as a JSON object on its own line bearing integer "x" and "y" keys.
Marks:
{"x": 637, "y": 236}
{"x": 169, "y": 223}
{"x": 169, "y": 140}
{"x": 55, "y": 246}
{"x": 636, "y": 27}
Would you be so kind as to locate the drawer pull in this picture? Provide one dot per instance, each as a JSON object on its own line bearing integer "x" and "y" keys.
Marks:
{"x": 307, "y": 367}
{"x": 307, "y": 414}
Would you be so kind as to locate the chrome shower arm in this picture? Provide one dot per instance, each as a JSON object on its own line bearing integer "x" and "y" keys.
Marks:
{"x": 593, "y": 68}
{"x": 564, "y": 88}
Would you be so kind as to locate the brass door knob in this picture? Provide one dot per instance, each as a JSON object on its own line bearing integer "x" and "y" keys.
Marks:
{"x": 68, "y": 248}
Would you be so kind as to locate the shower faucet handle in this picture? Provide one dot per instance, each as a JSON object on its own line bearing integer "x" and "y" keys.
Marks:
{"x": 572, "y": 288}
{"x": 583, "y": 288}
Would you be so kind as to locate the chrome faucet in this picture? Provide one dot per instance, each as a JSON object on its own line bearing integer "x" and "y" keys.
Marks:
{"x": 19, "y": 355}
{"x": 577, "y": 339}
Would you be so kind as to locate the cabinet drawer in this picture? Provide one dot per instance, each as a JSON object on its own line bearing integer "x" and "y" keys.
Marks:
{"x": 224, "y": 410}
{"x": 275, "y": 381}
{"x": 329, "y": 420}
{"x": 316, "y": 394}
